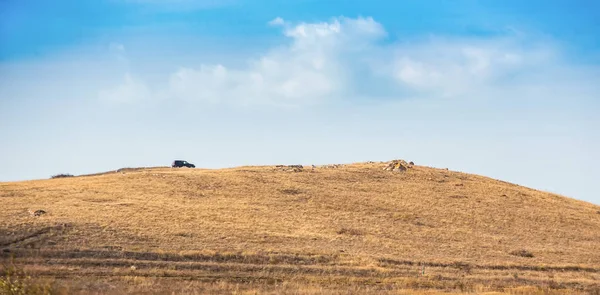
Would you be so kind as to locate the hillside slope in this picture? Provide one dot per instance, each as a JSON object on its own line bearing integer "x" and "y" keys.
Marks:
{"x": 355, "y": 225}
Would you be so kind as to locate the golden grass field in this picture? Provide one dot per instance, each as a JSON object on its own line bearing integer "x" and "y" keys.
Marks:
{"x": 355, "y": 229}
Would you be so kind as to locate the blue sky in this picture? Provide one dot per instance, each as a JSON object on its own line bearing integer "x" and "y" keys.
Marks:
{"x": 506, "y": 89}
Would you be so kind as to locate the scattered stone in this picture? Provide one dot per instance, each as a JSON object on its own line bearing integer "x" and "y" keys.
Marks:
{"x": 332, "y": 166}
{"x": 290, "y": 168}
{"x": 37, "y": 213}
{"x": 411, "y": 163}
{"x": 458, "y": 197}
{"x": 349, "y": 231}
{"x": 419, "y": 223}
{"x": 397, "y": 166}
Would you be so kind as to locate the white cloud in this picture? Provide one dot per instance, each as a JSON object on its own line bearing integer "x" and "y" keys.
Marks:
{"x": 131, "y": 90}
{"x": 349, "y": 59}
{"x": 458, "y": 67}
{"x": 309, "y": 69}
{"x": 278, "y": 21}
{"x": 116, "y": 47}
{"x": 119, "y": 52}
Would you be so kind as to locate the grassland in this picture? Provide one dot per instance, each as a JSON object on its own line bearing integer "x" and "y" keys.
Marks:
{"x": 354, "y": 229}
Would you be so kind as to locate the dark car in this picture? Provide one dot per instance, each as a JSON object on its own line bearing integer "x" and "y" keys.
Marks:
{"x": 181, "y": 163}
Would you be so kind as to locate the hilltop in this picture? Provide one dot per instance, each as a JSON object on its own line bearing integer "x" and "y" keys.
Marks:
{"x": 353, "y": 228}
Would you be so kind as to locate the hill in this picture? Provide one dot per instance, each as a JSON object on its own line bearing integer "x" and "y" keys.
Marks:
{"x": 334, "y": 229}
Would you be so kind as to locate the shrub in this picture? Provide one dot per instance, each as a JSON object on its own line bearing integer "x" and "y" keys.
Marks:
{"x": 349, "y": 231}
{"x": 62, "y": 175}
{"x": 14, "y": 281}
{"x": 522, "y": 253}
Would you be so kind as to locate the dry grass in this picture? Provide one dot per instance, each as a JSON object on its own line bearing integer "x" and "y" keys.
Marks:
{"x": 522, "y": 253}
{"x": 353, "y": 229}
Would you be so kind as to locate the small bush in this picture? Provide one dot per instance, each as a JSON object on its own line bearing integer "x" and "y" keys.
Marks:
{"x": 14, "y": 281}
{"x": 522, "y": 253}
{"x": 349, "y": 231}
{"x": 466, "y": 267}
{"x": 62, "y": 175}
{"x": 595, "y": 290}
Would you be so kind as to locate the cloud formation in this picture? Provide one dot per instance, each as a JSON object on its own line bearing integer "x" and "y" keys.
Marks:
{"x": 348, "y": 58}
{"x": 310, "y": 68}
{"x": 131, "y": 90}
{"x": 448, "y": 67}
{"x": 278, "y": 21}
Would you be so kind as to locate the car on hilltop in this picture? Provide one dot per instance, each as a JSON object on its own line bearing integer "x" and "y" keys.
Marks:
{"x": 182, "y": 163}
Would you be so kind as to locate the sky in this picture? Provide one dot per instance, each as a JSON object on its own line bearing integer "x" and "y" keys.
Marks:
{"x": 507, "y": 89}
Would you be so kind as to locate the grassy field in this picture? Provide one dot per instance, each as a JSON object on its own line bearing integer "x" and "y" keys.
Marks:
{"x": 355, "y": 229}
